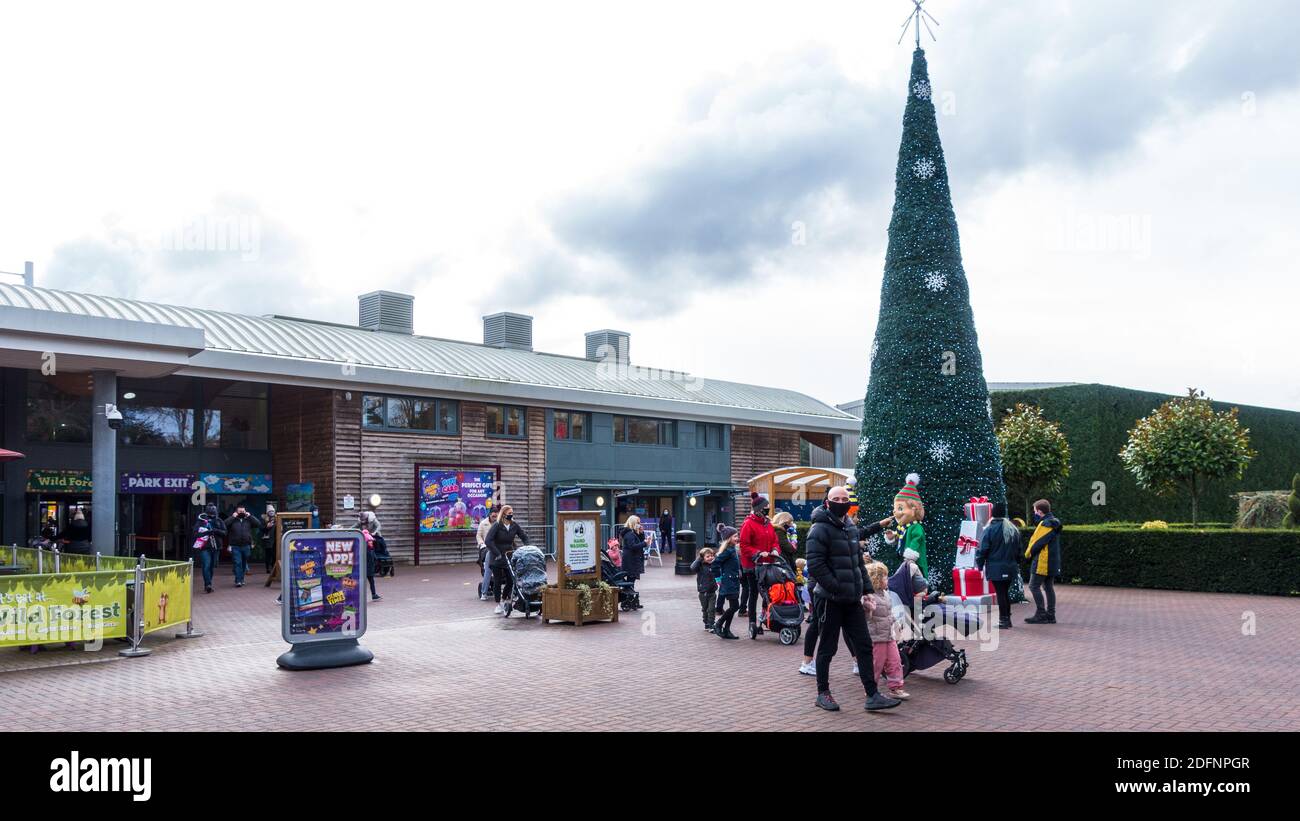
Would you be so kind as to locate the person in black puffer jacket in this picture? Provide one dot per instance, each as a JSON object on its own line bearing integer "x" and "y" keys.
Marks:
{"x": 500, "y": 540}
{"x": 835, "y": 563}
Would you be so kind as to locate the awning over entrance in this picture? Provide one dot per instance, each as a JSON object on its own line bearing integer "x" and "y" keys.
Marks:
{"x": 649, "y": 486}
{"x": 808, "y": 482}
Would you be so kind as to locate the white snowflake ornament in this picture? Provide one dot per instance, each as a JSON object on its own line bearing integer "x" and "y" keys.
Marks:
{"x": 921, "y": 89}
{"x": 923, "y": 168}
{"x": 935, "y": 281}
{"x": 862, "y": 447}
{"x": 940, "y": 451}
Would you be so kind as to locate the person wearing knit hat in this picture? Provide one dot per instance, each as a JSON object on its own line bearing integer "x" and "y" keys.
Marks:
{"x": 726, "y": 565}
{"x": 908, "y": 533}
{"x": 758, "y": 545}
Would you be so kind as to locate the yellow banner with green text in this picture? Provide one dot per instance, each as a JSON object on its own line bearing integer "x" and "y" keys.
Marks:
{"x": 59, "y": 607}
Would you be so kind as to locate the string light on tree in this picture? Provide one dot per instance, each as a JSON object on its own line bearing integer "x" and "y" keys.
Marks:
{"x": 916, "y": 416}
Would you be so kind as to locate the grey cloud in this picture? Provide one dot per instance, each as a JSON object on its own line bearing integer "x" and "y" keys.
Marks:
{"x": 1074, "y": 84}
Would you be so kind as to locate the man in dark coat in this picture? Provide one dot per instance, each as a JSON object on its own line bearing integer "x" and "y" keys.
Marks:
{"x": 998, "y": 558}
{"x": 835, "y": 563}
{"x": 666, "y": 531}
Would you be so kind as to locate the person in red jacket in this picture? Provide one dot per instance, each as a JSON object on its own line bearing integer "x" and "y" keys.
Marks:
{"x": 757, "y": 546}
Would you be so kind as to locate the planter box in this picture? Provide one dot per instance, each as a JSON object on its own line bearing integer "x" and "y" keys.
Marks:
{"x": 562, "y": 605}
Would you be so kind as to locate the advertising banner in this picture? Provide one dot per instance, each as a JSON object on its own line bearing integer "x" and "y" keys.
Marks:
{"x": 453, "y": 499}
{"x": 255, "y": 483}
{"x": 154, "y": 482}
{"x": 166, "y": 596}
{"x": 322, "y": 585}
{"x": 58, "y": 481}
{"x": 62, "y": 607}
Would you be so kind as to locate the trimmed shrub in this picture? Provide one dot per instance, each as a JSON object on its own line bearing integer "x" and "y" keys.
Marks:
{"x": 1097, "y": 418}
{"x": 1292, "y": 518}
{"x": 1211, "y": 560}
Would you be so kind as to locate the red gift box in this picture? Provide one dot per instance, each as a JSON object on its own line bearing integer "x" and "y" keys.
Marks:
{"x": 979, "y": 509}
{"x": 967, "y": 582}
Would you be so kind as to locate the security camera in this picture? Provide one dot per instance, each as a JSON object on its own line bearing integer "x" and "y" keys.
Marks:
{"x": 113, "y": 416}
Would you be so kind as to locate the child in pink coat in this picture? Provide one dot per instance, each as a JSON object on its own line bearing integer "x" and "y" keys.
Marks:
{"x": 880, "y": 624}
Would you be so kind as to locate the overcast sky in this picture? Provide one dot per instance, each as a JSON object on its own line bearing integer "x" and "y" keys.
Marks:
{"x": 1124, "y": 174}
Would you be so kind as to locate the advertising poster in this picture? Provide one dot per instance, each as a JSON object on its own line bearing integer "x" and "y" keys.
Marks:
{"x": 324, "y": 586}
{"x": 580, "y": 550}
{"x": 452, "y": 500}
{"x": 166, "y": 596}
{"x": 298, "y": 497}
{"x": 62, "y": 607}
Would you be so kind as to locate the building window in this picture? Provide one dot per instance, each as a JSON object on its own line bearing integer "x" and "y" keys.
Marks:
{"x": 506, "y": 421}
{"x": 708, "y": 436}
{"x": 159, "y": 412}
{"x": 234, "y": 415}
{"x": 409, "y": 413}
{"x": 572, "y": 426}
{"x": 634, "y": 430}
{"x": 58, "y": 407}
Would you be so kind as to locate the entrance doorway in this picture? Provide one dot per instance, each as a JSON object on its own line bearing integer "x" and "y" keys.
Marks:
{"x": 154, "y": 524}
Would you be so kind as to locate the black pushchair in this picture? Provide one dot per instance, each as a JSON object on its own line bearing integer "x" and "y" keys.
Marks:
{"x": 628, "y": 598}
{"x": 927, "y": 648}
{"x": 528, "y": 578}
{"x": 784, "y": 615}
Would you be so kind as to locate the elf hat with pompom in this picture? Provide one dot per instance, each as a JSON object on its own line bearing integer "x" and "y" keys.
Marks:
{"x": 909, "y": 492}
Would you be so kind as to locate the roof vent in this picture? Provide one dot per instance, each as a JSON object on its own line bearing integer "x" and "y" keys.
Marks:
{"x": 608, "y": 346}
{"x": 386, "y": 311}
{"x": 507, "y": 330}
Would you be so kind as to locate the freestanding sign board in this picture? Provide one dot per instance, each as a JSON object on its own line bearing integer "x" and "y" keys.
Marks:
{"x": 324, "y": 610}
{"x": 578, "y": 551}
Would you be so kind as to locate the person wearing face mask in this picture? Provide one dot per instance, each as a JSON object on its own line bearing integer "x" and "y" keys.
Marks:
{"x": 500, "y": 544}
{"x": 757, "y": 546}
{"x": 835, "y": 562}
{"x": 809, "y": 666}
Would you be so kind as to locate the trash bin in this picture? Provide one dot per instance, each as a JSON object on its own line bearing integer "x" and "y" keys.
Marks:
{"x": 685, "y": 552}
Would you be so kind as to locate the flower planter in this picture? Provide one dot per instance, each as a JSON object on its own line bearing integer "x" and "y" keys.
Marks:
{"x": 563, "y": 605}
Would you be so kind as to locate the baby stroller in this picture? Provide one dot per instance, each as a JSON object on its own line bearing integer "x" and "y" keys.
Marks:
{"x": 628, "y": 598}
{"x": 926, "y": 647}
{"x": 780, "y": 601}
{"x": 528, "y": 576}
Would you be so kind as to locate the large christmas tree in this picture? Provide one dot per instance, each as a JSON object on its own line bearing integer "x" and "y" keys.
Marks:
{"x": 927, "y": 407}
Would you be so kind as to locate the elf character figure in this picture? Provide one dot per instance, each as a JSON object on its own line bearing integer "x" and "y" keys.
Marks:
{"x": 907, "y": 533}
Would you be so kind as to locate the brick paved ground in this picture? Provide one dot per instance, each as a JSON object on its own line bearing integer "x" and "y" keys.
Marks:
{"x": 1119, "y": 659}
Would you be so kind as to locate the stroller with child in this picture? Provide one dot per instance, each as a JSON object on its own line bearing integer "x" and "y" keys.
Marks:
{"x": 528, "y": 578}
{"x": 628, "y": 598}
{"x": 924, "y": 647}
{"x": 779, "y": 596}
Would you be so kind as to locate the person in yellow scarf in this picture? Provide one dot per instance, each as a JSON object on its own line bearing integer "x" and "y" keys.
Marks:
{"x": 1044, "y": 554}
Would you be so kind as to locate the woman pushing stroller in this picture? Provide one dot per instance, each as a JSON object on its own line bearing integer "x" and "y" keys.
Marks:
{"x": 500, "y": 544}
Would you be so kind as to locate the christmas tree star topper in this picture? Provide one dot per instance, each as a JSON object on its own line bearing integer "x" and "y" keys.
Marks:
{"x": 918, "y": 18}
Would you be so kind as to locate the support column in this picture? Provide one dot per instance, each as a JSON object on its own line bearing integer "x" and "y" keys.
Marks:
{"x": 103, "y": 470}
{"x": 837, "y": 442}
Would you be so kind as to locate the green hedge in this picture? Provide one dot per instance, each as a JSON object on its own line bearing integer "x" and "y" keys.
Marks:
{"x": 1213, "y": 560}
{"x": 1097, "y": 418}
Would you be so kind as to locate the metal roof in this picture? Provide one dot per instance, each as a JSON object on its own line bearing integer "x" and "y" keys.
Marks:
{"x": 288, "y": 339}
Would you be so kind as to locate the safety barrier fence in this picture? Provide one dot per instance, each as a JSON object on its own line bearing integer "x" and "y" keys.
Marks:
{"x": 47, "y": 596}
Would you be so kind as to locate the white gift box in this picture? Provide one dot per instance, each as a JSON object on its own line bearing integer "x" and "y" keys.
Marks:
{"x": 967, "y": 542}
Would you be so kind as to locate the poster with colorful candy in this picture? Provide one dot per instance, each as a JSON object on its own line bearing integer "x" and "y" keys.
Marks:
{"x": 454, "y": 499}
{"x": 322, "y": 585}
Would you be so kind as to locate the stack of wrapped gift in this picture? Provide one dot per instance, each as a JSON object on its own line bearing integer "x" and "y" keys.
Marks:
{"x": 968, "y": 584}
